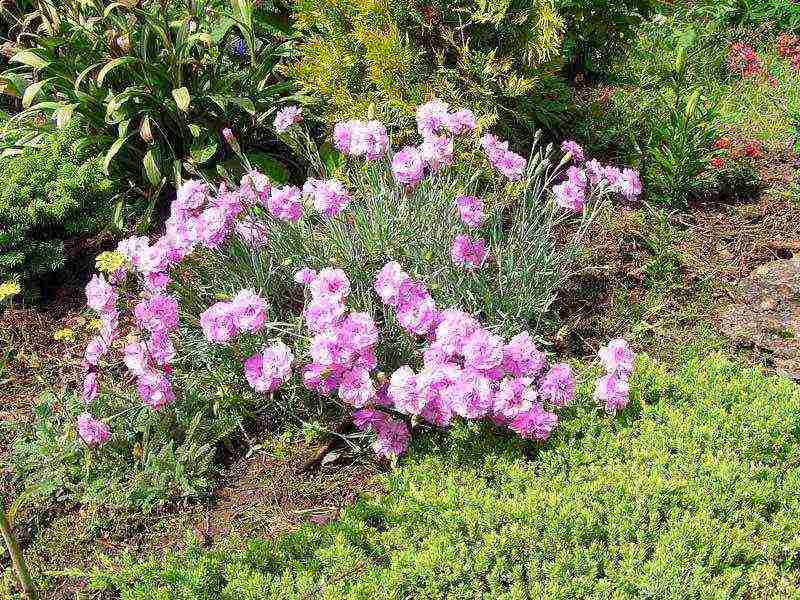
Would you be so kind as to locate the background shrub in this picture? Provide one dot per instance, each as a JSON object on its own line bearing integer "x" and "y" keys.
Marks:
{"x": 664, "y": 501}
{"x": 154, "y": 83}
{"x": 598, "y": 30}
{"x": 492, "y": 55}
{"x": 49, "y": 195}
{"x": 666, "y": 106}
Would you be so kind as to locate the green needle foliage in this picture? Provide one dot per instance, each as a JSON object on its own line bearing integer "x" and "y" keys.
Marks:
{"x": 691, "y": 493}
{"x": 49, "y": 195}
{"x": 495, "y": 56}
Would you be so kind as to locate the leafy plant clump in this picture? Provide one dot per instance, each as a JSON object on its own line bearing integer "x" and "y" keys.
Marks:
{"x": 154, "y": 83}
{"x": 401, "y": 296}
{"x": 499, "y": 57}
{"x": 664, "y": 503}
{"x": 49, "y": 195}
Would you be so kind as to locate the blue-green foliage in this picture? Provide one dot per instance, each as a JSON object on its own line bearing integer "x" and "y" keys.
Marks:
{"x": 48, "y": 195}
{"x": 691, "y": 493}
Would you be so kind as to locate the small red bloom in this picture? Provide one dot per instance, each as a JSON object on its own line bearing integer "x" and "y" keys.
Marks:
{"x": 717, "y": 162}
{"x": 753, "y": 150}
{"x": 723, "y": 143}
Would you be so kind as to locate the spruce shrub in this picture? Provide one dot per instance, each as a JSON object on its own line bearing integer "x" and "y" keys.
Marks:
{"x": 49, "y": 195}
{"x": 691, "y": 494}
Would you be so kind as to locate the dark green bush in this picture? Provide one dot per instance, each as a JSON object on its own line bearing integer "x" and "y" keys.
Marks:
{"x": 691, "y": 493}
{"x": 49, "y": 195}
{"x": 598, "y": 30}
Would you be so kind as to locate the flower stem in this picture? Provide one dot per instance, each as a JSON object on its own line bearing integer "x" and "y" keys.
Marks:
{"x": 17, "y": 558}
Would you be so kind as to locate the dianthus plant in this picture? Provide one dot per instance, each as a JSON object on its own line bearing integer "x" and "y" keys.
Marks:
{"x": 400, "y": 290}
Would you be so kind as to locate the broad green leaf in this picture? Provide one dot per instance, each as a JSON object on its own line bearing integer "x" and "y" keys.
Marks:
{"x": 244, "y": 103}
{"x": 14, "y": 84}
{"x": 30, "y": 59}
{"x": 112, "y": 152}
{"x": 118, "y": 217}
{"x": 117, "y": 62}
{"x": 272, "y": 168}
{"x": 331, "y": 158}
{"x": 82, "y": 75}
{"x": 204, "y": 150}
{"x": 182, "y": 98}
{"x": 31, "y": 91}
{"x": 151, "y": 168}
{"x": 64, "y": 115}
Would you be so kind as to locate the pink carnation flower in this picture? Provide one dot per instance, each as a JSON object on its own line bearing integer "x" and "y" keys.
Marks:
{"x": 570, "y": 196}
{"x": 322, "y": 313}
{"x": 155, "y": 390}
{"x": 408, "y": 166}
{"x": 159, "y": 313}
{"x": 393, "y": 438}
{"x": 470, "y": 397}
{"x": 470, "y": 209}
{"x": 614, "y": 391}
{"x": 558, "y": 385}
{"x": 192, "y": 195}
{"x": 255, "y": 186}
{"x": 250, "y": 310}
{"x": 269, "y": 369}
{"x": 95, "y": 350}
{"x": 630, "y": 185}
{"x": 513, "y": 397}
{"x": 253, "y": 232}
{"x": 330, "y": 197}
{"x": 284, "y": 203}
{"x": 483, "y": 351}
{"x": 521, "y": 358}
{"x": 92, "y": 431}
{"x": 572, "y": 147}
{"x": 161, "y": 349}
{"x": 436, "y": 152}
{"x": 461, "y": 121}
{"x": 369, "y": 419}
{"x": 219, "y": 322}
{"x": 304, "y": 276}
{"x": 389, "y": 281}
{"x": 453, "y": 329}
{"x": 288, "y": 117}
{"x": 403, "y": 391}
{"x": 213, "y": 226}
{"x": 101, "y": 295}
{"x": 135, "y": 357}
{"x": 468, "y": 253}
{"x": 617, "y": 358}
{"x": 356, "y": 387}
{"x": 91, "y": 388}
{"x": 330, "y": 283}
{"x": 535, "y": 423}
{"x": 432, "y": 118}
{"x": 321, "y": 379}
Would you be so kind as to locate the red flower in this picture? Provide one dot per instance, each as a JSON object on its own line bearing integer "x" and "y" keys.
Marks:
{"x": 723, "y": 143}
{"x": 753, "y": 150}
{"x": 717, "y": 162}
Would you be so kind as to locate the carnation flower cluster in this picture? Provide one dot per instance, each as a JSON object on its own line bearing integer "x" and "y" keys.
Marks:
{"x": 467, "y": 371}
{"x": 789, "y": 47}
{"x": 585, "y": 177}
{"x": 612, "y": 389}
{"x": 744, "y": 61}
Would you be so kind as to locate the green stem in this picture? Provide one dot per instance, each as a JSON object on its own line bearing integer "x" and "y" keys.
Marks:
{"x": 17, "y": 558}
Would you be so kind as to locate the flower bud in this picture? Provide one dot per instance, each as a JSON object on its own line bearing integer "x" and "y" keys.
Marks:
{"x": 145, "y": 132}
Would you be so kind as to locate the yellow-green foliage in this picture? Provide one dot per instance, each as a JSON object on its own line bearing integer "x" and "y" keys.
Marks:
{"x": 690, "y": 493}
{"x": 494, "y": 55}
